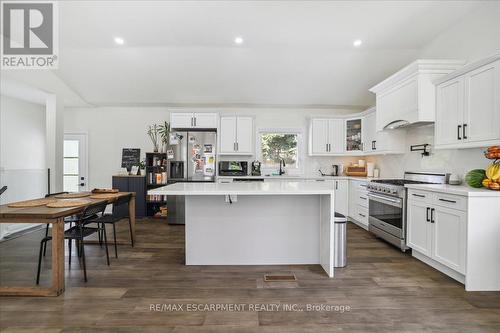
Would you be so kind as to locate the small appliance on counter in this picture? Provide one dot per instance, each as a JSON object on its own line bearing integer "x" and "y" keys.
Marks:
{"x": 233, "y": 168}
{"x": 256, "y": 168}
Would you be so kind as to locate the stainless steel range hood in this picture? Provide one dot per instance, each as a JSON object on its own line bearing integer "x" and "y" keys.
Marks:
{"x": 396, "y": 124}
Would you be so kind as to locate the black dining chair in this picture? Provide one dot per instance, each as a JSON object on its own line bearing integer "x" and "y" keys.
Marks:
{"x": 70, "y": 219}
{"x": 120, "y": 213}
{"x": 79, "y": 232}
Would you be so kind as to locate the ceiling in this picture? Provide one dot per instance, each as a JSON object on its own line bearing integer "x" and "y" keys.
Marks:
{"x": 294, "y": 53}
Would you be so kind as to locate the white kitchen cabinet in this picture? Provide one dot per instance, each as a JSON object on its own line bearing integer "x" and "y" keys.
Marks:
{"x": 449, "y": 237}
{"x": 419, "y": 228}
{"x": 341, "y": 189}
{"x": 358, "y": 202}
{"x": 189, "y": 120}
{"x": 236, "y": 135}
{"x": 326, "y": 137}
{"x": 437, "y": 228}
{"x": 408, "y": 96}
{"x": 468, "y": 106}
{"x": 381, "y": 142}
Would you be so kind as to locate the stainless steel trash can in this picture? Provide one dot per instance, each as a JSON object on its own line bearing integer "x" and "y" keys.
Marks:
{"x": 340, "y": 232}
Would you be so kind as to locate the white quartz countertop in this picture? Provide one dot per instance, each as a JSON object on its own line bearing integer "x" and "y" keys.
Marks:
{"x": 246, "y": 188}
{"x": 463, "y": 190}
{"x": 297, "y": 177}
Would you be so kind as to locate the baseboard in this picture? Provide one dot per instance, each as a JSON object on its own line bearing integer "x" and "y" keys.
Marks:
{"x": 359, "y": 224}
{"x": 440, "y": 267}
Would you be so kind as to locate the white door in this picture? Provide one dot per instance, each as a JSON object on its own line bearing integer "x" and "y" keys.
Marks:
{"x": 449, "y": 237}
{"x": 205, "y": 120}
{"x": 181, "y": 120}
{"x": 419, "y": 227}
{"x": 244, "y": 135}
{"x": 75, "y": 178}
{"x": 342, "y": 196}
{"x": 449, "y": 114}
{"x": 227, "y": 135}
{"x": 482, "y": 114}
{"x": 319, "y": 136}
{"x": 336, "y": 135}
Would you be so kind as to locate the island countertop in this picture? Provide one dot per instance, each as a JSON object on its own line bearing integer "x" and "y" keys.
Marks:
{"x": 250, "y": 188}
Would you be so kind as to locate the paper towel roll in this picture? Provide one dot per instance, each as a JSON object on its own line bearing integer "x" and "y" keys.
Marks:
{"x": 369, "y": 169}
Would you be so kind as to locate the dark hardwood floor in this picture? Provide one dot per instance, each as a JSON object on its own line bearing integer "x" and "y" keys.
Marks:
{"x": 386, "y": 290}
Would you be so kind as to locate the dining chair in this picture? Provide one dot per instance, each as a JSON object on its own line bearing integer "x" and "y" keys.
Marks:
{"x": 120, "y": 213}
{"x": 79, "y": 232}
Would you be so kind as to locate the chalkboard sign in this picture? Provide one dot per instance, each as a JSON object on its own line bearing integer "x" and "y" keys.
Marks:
{"x": 130, "y": 157}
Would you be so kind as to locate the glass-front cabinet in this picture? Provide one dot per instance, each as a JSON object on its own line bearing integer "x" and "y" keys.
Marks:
{"x": 353, "y": 132}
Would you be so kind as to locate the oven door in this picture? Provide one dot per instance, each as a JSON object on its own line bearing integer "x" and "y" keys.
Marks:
{"x": 386, "y": 213}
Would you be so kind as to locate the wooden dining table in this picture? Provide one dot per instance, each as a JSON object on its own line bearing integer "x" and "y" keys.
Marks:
{"x": 54, "y": 216}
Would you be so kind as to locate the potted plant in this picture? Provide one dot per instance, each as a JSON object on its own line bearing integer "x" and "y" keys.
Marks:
{"x": 164, "y": 131}
{"x": 153, "y": 135}
{"x": 142, "y": 167}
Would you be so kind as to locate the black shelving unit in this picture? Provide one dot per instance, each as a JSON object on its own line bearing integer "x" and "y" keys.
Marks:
{"x": 156, "y": 165}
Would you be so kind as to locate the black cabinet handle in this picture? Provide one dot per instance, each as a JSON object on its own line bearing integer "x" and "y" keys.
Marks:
{"x": 459, "y": 129}
{"x": 362, "y": 198}
{"x": 432, "y": 215}
{"x": 427, "y": 215}
{"x": 375, "y": 145}
{"x": 446, "y": 200}
{"x": 336, "y": 185}
{"x": 465, "y": 133}
{"x": 362, "y": 215}
{"x": 418, "y": 195}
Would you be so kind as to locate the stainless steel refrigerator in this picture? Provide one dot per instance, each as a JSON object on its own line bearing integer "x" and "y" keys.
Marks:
{"x": 193, "y": 160}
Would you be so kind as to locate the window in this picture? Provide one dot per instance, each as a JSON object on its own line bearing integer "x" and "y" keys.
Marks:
{"x": 276, "y": 145}
{"x": 71, "y": 166}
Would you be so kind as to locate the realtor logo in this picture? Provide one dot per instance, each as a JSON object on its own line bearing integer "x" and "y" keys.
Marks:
{"x": 29, "y": 34}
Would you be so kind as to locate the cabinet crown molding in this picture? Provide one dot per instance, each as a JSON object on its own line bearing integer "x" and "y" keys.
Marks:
{"x": 421, "y": 66}
{"x": 467, "y": 68}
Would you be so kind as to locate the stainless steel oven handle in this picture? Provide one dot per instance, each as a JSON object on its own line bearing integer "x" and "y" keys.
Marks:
{"x": 394, "y": 201}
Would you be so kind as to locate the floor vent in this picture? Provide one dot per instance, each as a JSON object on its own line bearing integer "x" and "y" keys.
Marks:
{"x": 279, "y": 278}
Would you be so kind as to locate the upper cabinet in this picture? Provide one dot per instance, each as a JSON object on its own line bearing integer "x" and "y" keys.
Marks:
{"x": 236, "y": 136}
{"x": 354, "y": 135}
{"x": 191, "y": 120}
{"x": 383, "y": 142}
{"x": 408, "y": 96}
{"x": 468, "y": 106}
{"x": 326, "y": 136}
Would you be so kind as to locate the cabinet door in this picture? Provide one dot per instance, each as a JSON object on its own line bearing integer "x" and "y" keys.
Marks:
{"x": 319, "y": 136}
{"x": 449, "y": 114}
{"x": 336, "y": 135}
{"x": 353, "y": 135}
{"x": 181, "y": 120}
{"x": 341, "y": 196}
{"x": 227, "y": 135}
{"x": 244, "y": 135}
{"x": 369, "y": 132}
{"x": 482, "y": 109}
{"x": 449, "y": 237}
{"x": 205, "y": 120}
{"x": 419, "y": 229}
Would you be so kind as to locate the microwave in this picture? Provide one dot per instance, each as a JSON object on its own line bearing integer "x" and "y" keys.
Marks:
{"x": 233, "y": 168}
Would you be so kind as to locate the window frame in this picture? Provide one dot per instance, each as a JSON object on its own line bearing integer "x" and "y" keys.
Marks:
{"x": 299, "y": 170}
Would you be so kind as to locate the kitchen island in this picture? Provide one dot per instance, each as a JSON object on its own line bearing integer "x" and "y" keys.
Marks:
{"x": 258, "y": 223}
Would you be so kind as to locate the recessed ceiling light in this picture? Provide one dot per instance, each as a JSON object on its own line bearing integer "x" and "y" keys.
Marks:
{"x": 119, "y": 41}
{"x": 357, "y": 43}
{"x": 238, "y": 40}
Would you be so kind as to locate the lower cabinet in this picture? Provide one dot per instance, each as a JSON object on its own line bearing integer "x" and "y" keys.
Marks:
{"x": 437, "y": 231}
{"x": 358, "y": 202}
{"x": 341, "y": 196}
{"x": 135, "y": 184}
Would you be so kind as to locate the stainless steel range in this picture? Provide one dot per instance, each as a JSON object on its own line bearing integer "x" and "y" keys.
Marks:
{"x": 387, "y": 205}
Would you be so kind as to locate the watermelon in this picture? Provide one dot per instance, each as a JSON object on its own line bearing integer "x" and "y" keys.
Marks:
{"x": 475, "y": 178}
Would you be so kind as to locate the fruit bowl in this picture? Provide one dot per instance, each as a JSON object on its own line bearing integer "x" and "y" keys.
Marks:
{"x": 493, "y": 153}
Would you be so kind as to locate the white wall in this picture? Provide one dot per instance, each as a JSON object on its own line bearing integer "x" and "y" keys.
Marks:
{"x": 110, "y": 129}
{"x": 22, "y": 153}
